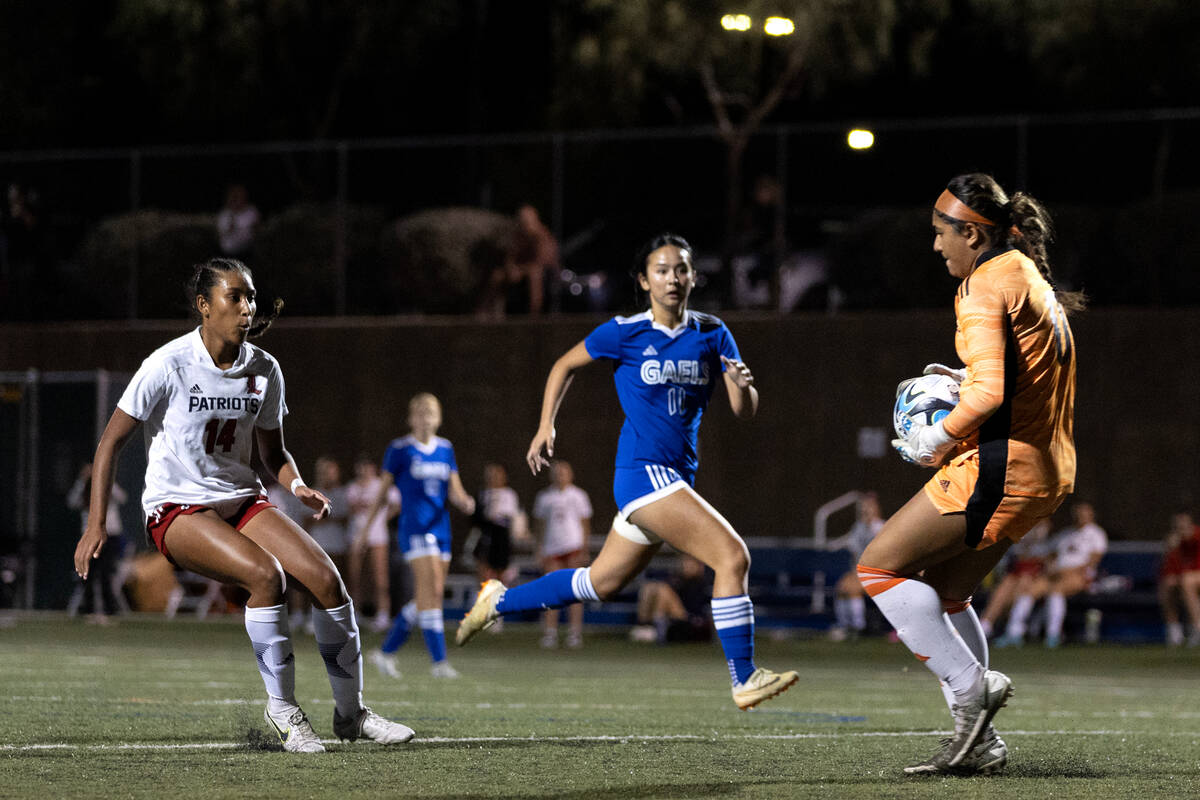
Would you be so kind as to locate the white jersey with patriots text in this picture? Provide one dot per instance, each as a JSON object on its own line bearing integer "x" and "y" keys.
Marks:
{"x": 198, "y": 421}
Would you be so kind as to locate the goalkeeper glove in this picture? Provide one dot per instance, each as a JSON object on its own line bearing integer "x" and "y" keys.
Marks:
{"x": 959, "y": 375}
{"x": 927, "y": 447}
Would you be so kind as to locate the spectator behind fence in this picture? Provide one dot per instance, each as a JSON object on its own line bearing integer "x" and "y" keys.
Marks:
{"x": 1070, "y": 570}
{"x": 1025, "y": 561}
{"x": 519, "y": 287}
{"x": 850, "y": 604}
{"x": 237, "y": 222}
{"x": 1179, "y": 579}
{"x": 103, "y": 585}
{"x": 20, "y": 252}
{"x": 676, "y": 609}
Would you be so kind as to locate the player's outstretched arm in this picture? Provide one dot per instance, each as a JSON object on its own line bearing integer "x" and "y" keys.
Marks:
{"x": 118, "y": 430}
{"x": 739, "y": 383}
{"x": 541, "y": 449}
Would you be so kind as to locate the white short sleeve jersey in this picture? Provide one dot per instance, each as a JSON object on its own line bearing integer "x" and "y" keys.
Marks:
{"x": 562, "y": 510}
{"x": 198, "y": 421}
{"x": 1077, "y": 546}
{"x": 360, "y": 496}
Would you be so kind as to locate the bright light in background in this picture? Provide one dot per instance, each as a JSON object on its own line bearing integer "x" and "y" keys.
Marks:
{"x": 860, "y": 139}
{"x": 779, "y": 26}
{"x": 735, "y": 22}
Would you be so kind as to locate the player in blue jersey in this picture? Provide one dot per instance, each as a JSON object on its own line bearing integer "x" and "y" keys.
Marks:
{"x": 666, "y": 363}
{"x": 422, "y": 467}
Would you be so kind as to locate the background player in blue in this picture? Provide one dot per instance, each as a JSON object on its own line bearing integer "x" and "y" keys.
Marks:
{"x": 666, "y": 363}
{"x": 423, "y": 468}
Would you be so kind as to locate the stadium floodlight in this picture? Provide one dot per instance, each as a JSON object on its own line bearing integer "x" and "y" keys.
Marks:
{"x": 779, "y": 26}
{"x": 860, "y": 139}
{"x": 736, "y": 22}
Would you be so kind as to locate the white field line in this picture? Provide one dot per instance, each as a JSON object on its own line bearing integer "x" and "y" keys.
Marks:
{"x": 470, "y": 740}
{"x": 1123, "y": 713}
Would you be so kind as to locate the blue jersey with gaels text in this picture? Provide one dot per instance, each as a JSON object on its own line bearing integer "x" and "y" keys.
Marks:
{"x": 664, "y": 380}
{"x": 422, "y": 474}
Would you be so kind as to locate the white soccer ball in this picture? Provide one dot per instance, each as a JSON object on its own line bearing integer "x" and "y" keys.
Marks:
{"x": 923, "y": 401}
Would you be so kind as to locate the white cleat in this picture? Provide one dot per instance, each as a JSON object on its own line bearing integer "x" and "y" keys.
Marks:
{"x": 972, "y": 718}
{"x": 369, "y": 725}
{"x": 482, "y": 614}
{"x": 442, "y": 669}
{"x": 297, "y": 734}
{"x": 763, "y": 684}
{"x": 385, "y": 663}
{"x": 987, "y": 757}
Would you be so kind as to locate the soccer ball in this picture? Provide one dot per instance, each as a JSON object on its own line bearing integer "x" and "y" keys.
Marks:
{"x": 923, "y": 401}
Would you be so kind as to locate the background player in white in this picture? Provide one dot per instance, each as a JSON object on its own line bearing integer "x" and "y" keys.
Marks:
{"x": 850, "y": 600}
{"x": 201, "y": 400}
{"x": 562, "y": 516}
{"x": 371, "y": 542}
{"x": 1070, "y": 570}
{"x": 667, "y": 362}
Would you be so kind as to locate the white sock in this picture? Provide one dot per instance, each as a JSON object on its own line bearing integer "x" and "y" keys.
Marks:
{"x": 409, "y": 612}
{"x": 1056, "y": 612}
{"x": 1018, "y": 618}
{"x": 858, "y": 612}
{"x": 269, "y": 636}
{"x": 581, "y": 584}
{"x": 967, "y": 623}
{"x": 915, "y": 611}
{"x": 337, "y": 639}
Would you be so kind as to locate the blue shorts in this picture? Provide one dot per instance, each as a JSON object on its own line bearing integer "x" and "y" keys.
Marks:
{"x": 435, "y": 542}
{"x": 640, "y": 485}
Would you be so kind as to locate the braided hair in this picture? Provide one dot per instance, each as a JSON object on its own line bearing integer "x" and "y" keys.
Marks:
{"x": 1018, "y": 221}
{"x": 207, "y": 274}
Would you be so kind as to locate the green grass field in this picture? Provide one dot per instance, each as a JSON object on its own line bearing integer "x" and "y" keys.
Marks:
{"x": 152, "y": 708}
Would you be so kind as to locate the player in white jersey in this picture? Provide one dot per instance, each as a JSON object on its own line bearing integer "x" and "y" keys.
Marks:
{"x": 1069, "y": 571}
{"x": 200, "y": 400}
{"x": 371, "y": 542}
{"x": 563, "y": 516}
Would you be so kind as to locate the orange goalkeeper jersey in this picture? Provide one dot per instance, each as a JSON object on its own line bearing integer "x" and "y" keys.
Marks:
{"x": 1017, "y": 403}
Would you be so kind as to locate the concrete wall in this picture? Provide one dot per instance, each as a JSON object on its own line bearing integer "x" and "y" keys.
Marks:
{"x": 822, "y": 378}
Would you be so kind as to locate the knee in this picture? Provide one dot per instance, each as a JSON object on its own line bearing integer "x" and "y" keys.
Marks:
{"x": 607, "y": 586}
{"x": 327, "y": 588}
{"x": 266, "y": 580}
{"x": 732, "y": 560}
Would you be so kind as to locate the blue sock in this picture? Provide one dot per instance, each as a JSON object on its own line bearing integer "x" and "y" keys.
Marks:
{"x": 398, "y": 634}
{"x": 733, "y": 618}
{"x": 560, "y": 588}
{"x": 433, "y": 631}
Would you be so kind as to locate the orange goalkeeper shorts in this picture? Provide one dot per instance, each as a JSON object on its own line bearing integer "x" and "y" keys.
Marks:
{"x": 957, "y": 488}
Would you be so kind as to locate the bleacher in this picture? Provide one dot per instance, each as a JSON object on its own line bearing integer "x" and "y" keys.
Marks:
{"x": 793, "y": 588}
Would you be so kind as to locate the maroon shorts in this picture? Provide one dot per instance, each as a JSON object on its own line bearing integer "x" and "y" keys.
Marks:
{"x": 164, "y": 515}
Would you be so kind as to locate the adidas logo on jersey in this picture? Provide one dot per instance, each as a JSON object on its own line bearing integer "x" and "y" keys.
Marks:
{"x": 650, "y": 351}
{"x": 196, "y": 389}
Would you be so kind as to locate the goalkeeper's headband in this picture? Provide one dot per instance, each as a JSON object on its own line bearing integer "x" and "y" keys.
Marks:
{"x": 950, "y": 206}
